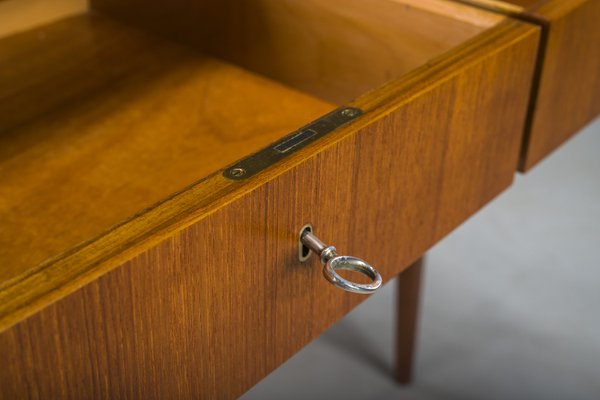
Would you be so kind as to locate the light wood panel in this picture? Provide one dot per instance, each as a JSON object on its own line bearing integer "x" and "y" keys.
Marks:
{"x": 567, "y": 88}
{"x": 99, "y": 122}
{"x": 20, "y": 15}
{"x": 333, "y": 49}
{"x": 220, "y": 299}
{"x": 514, "y": 6}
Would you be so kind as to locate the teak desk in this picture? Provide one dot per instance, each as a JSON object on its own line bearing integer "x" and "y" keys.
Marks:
{"x": 158, "y": 160}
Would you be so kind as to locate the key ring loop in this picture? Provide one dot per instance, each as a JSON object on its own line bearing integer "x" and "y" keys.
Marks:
{"x": 350, "y": 263}
{"x": 332, "y": 263}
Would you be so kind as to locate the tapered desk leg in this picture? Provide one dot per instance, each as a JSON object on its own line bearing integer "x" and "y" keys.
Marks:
{"x": 409, "y": 285}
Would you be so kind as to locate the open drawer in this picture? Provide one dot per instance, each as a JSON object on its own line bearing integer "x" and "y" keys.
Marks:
{"x": 136, "y": 263}
{"x": 566, "y": 90}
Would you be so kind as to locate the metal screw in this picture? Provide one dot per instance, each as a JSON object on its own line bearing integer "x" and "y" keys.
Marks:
{"x": 349, "y": 112}
{"x": 237, "y": 172}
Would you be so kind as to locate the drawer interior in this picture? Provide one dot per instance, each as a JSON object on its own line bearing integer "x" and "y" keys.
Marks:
{"x": 109, "y": 108}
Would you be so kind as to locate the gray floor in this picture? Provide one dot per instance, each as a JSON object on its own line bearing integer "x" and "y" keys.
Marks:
{"x": 511, "y": 304}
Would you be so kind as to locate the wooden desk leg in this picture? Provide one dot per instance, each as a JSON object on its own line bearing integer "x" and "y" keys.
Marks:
{"x": 409, "y": 285}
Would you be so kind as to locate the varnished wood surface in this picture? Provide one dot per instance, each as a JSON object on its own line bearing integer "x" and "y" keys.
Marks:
{"x": 510, "y": 6}
{"x": 568, "y": 94}
{"x": 333, "y": 49}
{"x": 567, "y": 88}
{"x": 98, "y": 122}
{"x": 220, "y": 299}
{"x": 20, "y": 15}
{"x": 454, "y": 11}
{"x": 118, "y": 120}
{"x": 407, "y": 320}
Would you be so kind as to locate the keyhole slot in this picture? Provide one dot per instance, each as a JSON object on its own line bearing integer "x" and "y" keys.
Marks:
{"x": 304, "y": 252}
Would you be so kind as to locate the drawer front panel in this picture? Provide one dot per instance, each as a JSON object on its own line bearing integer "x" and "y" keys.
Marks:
{"x": 569, "y": 85}
{"x": 214, "y": 308}
{"x": 566, "y": 93}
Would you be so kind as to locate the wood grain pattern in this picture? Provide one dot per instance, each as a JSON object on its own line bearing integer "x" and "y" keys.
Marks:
{"x": 407, "y": 318}
{"x": 452, "y": 10}
{"x": 20, "y": 15}
{"x": 118, "y": 120}
{"x": 334, "y": 49}
{"x": 511, "y": 6}
{"x": 116, "y": 137}
{"x": 567, "y": 88}
{"x": 220, "y": 299}
{"x": 568, "y": 94}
